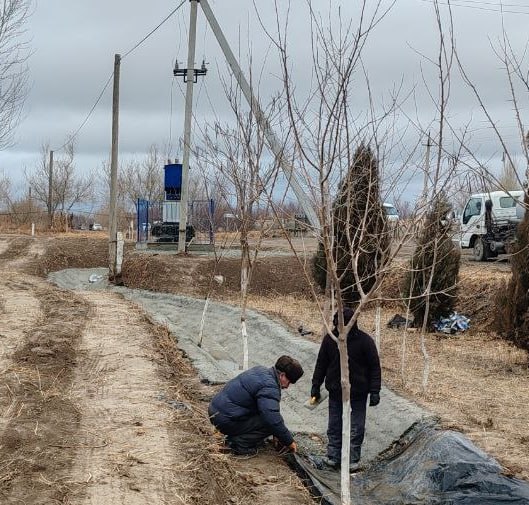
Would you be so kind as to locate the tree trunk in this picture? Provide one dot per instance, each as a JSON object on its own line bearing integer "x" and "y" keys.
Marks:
{"x": 345, "y": 478}
{"x": 244, "y": 299}
{"x": 377, "y": 327}
{"x": 202, "y": 322}
{"x": 405, "y": 335}
{"x": 425, "y": 355}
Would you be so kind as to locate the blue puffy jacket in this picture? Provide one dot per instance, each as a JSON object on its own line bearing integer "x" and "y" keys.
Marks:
{"x": 254, "y": 392}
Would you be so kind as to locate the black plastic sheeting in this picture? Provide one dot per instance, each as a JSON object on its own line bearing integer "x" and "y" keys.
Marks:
{"x": 427, "y": 466}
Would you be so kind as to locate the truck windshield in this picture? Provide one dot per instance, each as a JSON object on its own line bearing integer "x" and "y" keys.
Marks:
{"x": 473, "y": 208}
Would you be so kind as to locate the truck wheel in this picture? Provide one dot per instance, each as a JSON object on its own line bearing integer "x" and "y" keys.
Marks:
{"x": 481, "y": 250}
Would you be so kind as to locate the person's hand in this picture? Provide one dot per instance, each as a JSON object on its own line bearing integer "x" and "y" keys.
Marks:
{"x": 293, "y": 447}
{"x": 315, "y": 392}
{"x": 374, "y": 399}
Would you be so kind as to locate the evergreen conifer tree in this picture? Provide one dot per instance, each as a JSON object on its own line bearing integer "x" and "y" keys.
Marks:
{"x": 512, "y": 314}
{"x": 435, "y": 257}
{"x": 360, "y": 232}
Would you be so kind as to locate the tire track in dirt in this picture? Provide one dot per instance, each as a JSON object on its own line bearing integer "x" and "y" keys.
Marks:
{"x": 127, "y": 454}
{"x": 43, "y": 325}
{"x": 93, "y": 425}
{"x": 14, "y": 294}
{"x": 143, "y": 439}
{"x": 15, "y": 247}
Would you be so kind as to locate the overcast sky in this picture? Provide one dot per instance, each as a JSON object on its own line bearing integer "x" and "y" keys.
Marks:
{"x": 74, "y": 43}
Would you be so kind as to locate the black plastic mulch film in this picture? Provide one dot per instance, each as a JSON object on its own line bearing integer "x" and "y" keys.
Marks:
{"x": 427, "y": 466}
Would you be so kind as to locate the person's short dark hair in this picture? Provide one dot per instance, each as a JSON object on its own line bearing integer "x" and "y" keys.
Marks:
{"x": 348, "y": 314}
{"x": 290, "y": 367}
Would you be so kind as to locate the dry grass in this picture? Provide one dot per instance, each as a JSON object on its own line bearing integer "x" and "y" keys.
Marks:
{"x": 218, "y": 478}
{"x": 478, "y": 384}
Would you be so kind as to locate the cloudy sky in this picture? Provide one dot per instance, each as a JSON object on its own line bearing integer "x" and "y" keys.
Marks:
{"x": 74, "y": 43}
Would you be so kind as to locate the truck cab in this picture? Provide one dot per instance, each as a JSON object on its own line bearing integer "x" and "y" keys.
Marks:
{"x": 488, "y": 222}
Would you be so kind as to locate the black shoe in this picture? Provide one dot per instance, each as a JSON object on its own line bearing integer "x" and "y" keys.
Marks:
{"x": 331, "y": 463}
{"x": 238, "y": 450}
{"x": 354, "y": 466}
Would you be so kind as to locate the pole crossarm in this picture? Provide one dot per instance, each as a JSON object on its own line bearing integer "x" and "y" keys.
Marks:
{"x": 183, "y": 72}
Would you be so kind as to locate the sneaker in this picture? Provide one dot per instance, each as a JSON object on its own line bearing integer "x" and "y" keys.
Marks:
{"x": 331, "y": 463}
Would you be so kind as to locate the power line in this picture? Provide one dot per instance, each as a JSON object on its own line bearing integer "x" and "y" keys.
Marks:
{"x": 500, "y": 8}
{"x": 88, "y": 115}
{"x": 495, "y": 4}
{"x": 153, "y": 30}
{"x": 76, "y": 133}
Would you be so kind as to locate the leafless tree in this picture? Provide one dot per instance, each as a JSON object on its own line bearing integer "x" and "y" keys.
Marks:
{"x": 143, "y": 179}
{"x": 69, "y": 187}
{"x": 509, "y": 178}
{"x": 237, "y": 155}
{"x": 327, "y": 131}
{"x": 14, "y": 52}
{"x": 5, "y": 189}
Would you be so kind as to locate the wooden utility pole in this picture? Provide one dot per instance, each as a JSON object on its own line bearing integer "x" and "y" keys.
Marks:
{"x": 426, "y": 176}
{"x": 112, "y": 214}
{"x": 50, "y": 192}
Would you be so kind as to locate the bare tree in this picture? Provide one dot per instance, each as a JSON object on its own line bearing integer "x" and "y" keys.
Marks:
{"x": 5, "y": 189}
{"x": 237, "y": 154}
{"x": 513, "y": 304}
{"x": 143, "y": 179}
{"x": 69, "y": 187}
{"x": 327, "y": 131}
{"x": 509, "y": 178}
{"x": 14, "y": 52}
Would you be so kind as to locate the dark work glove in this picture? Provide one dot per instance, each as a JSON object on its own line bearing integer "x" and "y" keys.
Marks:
{"x": 315, "y": 392}
{"x": 374, "y": 399}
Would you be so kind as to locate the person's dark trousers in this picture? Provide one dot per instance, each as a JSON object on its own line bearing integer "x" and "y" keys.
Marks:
{"x": 334, "y": 428}
{"x": 248, "y": 434}
{"x": 244, "y": 435}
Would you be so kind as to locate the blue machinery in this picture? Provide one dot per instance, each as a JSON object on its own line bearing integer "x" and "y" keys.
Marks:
{"x": 159, "y": 221}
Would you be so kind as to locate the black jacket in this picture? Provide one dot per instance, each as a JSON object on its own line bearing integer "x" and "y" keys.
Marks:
{"x": 254, "y": 392}
{"x": 364, "y": 364}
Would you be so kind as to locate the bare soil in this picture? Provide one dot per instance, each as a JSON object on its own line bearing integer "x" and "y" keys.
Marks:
{"x": 97, "y": 405}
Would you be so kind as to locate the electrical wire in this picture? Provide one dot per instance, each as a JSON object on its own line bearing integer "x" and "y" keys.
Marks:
{"x": 76, "y": 133}
{"x": 500, "y": 8}
{"x": 154, "y": 29}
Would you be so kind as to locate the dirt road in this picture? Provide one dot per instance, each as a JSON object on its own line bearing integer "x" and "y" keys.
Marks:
{"x": 98, "y": 406}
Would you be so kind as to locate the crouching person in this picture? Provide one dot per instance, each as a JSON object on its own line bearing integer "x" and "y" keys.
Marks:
{"x": 247, "y": 411}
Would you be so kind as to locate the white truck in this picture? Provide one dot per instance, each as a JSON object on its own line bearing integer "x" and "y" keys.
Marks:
{"x": 488, "y": 222}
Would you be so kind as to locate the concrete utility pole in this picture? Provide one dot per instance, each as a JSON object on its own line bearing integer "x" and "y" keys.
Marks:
{"x": 271, "y": 138}
{"x": 112, "y": 214}
{"x": 50, "y": 192}
{"x": 182, "y": 226}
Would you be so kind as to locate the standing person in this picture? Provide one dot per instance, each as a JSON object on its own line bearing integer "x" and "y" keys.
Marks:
{"x": 246, "y": 410}
{"x": 365, "y": 379}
